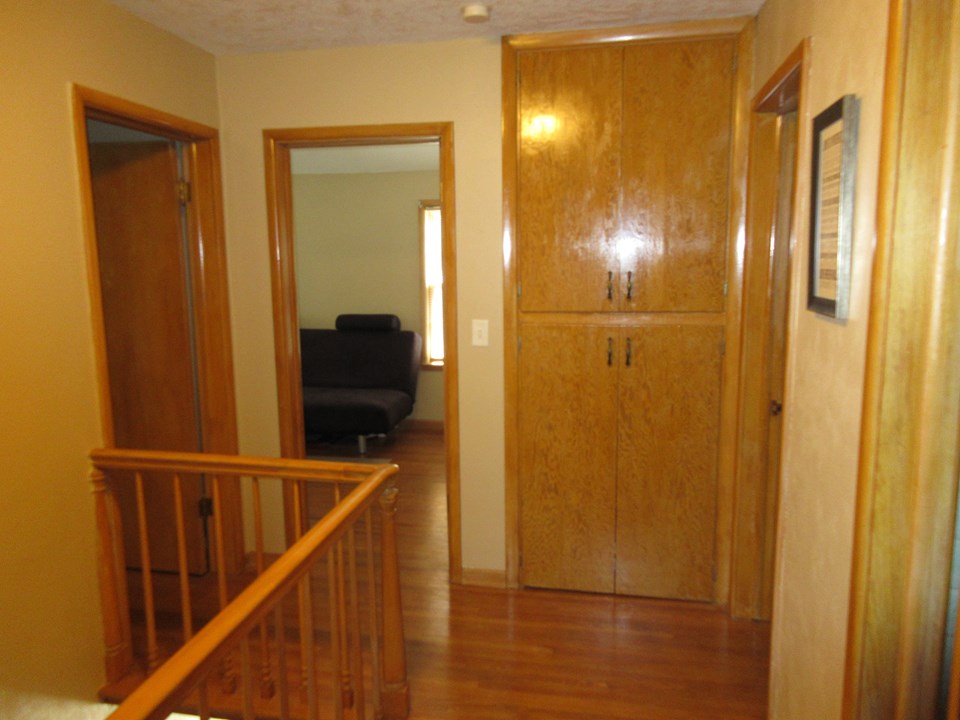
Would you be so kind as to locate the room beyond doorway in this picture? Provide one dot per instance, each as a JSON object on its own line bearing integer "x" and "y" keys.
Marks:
{"x": 279, "y": 145}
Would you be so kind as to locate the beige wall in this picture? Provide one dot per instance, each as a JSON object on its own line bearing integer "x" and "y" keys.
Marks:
{"x": 357, "y": 249}
{"x": 51, "y": 653}
{"x": 49, "y": 613}
{"x": 825, "y": 366}
{"x": 432, "y": 82}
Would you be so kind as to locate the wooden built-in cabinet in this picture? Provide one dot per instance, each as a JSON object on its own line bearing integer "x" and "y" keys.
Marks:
{"x": 624, "y": 157}
{"x": 619, "y": 430}
{"x": 622, "y": 251}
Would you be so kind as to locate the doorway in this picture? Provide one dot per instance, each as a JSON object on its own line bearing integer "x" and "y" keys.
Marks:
{"x": 280, "y": 146}
{"x": 150, "y": 184}
{"x": 360, "y": 220}
{"x": 770, "y": 214}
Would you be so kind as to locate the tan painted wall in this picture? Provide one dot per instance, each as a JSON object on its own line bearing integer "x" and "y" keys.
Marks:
{"x": 432, "y": 82}
{"x": 357, "y": 248}
{"x": 51, "y": 652}
{"x": 53, "y": 646}
{"x": 825, "y": 366}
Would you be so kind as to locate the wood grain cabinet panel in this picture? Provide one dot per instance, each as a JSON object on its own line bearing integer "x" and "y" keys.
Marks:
{"x": 675, "y": 173}
{"x": 569, "y": 178}
{"x": 568, "y": 461}
{"x": 668, "y": 442}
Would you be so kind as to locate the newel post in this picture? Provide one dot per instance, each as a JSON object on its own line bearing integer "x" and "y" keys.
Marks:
{"x": 113, "y": 596}
{"x": 395, "y": 700}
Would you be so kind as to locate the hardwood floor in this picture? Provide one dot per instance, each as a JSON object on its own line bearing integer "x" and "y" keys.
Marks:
{"x": 491, "y": 654}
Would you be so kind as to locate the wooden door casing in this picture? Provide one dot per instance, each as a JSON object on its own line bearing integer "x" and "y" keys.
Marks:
{"x": 677, "y": 117}
{"x": 143, "y": 283}
{"x": 569, "y": 179}
{"x": 568, "y": 379}
{"x": 668, "y": 445}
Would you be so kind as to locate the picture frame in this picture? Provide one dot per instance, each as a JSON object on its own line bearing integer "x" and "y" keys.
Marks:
{"x": 833, "y": 176}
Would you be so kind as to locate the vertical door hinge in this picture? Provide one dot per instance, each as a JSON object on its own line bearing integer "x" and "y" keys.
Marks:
{"x": 723, "y": 347}
{"x": 519, "y": 289}
{"x": 183, "y": 192}
{"x": 726, "y": 288}
{"x": 205, "y": 507}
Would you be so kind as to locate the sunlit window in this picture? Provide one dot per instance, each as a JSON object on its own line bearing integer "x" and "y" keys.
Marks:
{"x": 431, "y": 248}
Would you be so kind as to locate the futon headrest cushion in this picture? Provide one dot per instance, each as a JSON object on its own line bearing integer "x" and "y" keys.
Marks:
{"x": 369, "y": 323}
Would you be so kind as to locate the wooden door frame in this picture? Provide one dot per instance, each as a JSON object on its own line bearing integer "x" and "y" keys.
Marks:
{"x": 752, "y": 568}
{"x": 277, "y": 146}
{"x": 742, "y": 30}
{"x": 218, "y": 418}
{"x": 909, "y": 448}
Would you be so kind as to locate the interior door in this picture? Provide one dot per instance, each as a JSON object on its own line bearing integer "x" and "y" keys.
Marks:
{"x": 779, "y": 286}
{"x": 568, "y": 382}
{"x": 669, "y": 434}
{"x": 149, "y": 337}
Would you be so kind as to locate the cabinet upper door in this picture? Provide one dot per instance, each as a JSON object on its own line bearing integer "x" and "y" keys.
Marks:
{"x": 569, "y": 179}
{"x": 567, "y": 464}
{"x": 677, "y": 117}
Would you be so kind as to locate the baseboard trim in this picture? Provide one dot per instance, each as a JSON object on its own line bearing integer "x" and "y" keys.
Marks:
{"x": 424, "y": 425}
{"x": 480, "y": 577}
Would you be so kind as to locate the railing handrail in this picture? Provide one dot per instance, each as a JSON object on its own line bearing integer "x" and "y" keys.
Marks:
{"x": 160, "y": 693}
{"x": 241, "y": 465}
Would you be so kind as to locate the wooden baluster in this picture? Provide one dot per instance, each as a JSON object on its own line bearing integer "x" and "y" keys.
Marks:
{"x": 343, "y": 636}
{"x": 267, "y": 685}
{"x": 336, "y": 657}
{"x": 203, "y": 700}
{"x": 283, "y": 673}
{"x": 246, "y": 674}
{"x": 113, "y": 597}
{"x": 228, "y": 678}
{"x": 307, "y": 650}
{"x": 123, "y": 589}
{"x": 353, "y": 618}
{"x": 186, "y": 611}
{"x": 343, "y": 624}
{"x": 305, "y": 609}
{"x": 153, "y": 652}
{"x": 372, "y": 620}
{"x": 395, "y": 700}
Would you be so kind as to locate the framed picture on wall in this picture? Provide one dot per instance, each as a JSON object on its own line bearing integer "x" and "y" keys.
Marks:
{"x": 831, "y": 207}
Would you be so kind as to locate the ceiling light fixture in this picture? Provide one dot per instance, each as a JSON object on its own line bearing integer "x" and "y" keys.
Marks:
{"x": 475, "y": 13}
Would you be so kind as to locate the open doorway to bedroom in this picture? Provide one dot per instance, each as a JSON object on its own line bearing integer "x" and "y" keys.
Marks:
{"x": 347, "y": 214}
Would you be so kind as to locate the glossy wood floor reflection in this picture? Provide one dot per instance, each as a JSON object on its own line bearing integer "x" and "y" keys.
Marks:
{"x": 492, "y": 654}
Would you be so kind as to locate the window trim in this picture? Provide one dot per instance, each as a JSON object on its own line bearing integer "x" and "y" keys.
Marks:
{"x": 424, "y": 206}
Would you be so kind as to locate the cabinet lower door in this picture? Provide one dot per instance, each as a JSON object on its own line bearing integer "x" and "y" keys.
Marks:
{"x": 668, "y": 437}
{"x": 567, "y": 464}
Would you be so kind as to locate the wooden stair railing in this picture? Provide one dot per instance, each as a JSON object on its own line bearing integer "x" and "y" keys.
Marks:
{"x": 261, "y": 655}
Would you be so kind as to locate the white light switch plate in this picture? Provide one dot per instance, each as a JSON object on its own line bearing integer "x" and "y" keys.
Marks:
{"x": 481, "y": 333}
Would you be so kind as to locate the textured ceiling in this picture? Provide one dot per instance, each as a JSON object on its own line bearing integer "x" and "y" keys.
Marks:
{"x": 249, "y": 26}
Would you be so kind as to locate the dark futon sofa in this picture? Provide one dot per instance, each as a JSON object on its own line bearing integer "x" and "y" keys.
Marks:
{"x": 360, "y": 379}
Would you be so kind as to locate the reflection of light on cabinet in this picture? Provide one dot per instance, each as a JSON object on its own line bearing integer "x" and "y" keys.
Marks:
{"x": 540, "y": 127}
